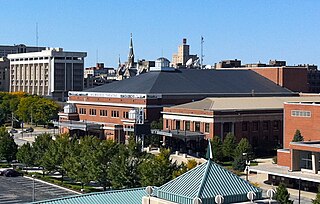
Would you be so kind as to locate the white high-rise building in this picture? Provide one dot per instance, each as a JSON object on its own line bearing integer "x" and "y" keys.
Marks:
{"x": 51, "y": 72}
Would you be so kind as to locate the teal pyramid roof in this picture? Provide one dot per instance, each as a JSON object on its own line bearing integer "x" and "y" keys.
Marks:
{"x": 207, "y": 181}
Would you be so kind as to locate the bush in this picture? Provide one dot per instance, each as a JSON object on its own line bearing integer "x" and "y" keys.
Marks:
{"x": 275, "y": 159}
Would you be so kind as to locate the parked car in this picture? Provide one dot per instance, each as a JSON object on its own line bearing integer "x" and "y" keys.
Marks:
{"x": 30, "y": 129}
{"x": 12, "y": 131}
{"x": 10, "y": 173}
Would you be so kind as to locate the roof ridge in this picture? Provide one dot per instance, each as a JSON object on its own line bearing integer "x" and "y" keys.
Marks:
{"x": 204, "y": 178}
{"x": 188, "y": 172}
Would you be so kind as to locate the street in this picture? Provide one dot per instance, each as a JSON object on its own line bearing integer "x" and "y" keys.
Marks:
{"x": 19, "y": 190}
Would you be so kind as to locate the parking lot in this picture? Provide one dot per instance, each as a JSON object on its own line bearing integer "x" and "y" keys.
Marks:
{"x": 19, "y": 190}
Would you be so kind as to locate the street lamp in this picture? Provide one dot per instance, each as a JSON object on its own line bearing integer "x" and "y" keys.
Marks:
{"x": 33, "y": 189}
{"x": 247, "y": 165}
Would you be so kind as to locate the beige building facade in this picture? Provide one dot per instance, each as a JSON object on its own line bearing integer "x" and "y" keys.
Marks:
{"x": 51, "y": 72}
{"x": 180, "y": 58}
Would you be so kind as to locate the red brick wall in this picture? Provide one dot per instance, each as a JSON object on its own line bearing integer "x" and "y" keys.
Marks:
{"x": 295, "y": 79}
{"x": 308, "y": 126}
{"x": 284, "y": 158}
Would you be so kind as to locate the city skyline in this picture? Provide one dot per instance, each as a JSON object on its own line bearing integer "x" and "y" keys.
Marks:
{"x": 231, "y": 29}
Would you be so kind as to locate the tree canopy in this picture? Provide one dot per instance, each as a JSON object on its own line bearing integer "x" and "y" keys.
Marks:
{"x": 8, "y": 148}
{"x": 297, "y": 136}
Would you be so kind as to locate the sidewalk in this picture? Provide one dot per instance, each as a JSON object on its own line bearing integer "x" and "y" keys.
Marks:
{"x": 259, "y": 178}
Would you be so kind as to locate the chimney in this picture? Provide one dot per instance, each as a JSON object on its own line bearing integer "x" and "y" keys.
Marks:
{"x": 184, "y": 41}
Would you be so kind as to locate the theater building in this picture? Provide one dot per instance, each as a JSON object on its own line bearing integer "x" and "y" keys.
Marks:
{"x": 115, "y": 110}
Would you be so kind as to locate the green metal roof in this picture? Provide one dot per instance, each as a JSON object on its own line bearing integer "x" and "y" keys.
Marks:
{"x": 133, "y": 196}
{"x": 207, "y": 181}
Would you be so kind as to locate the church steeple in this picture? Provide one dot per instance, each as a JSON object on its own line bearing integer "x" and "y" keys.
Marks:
{"x": 131, "y": 53}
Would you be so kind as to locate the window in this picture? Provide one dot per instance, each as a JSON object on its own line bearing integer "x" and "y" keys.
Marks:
{"x": 255, "y": 126}
{"x": 92, "y": 111}
{"x": 299, "y": 113}
{"x": 187, "y": 125}
{"x": 276, "y": 125}
{"x": 167, "y": 123}
{"x": 244, "y": 126}
{"x": 103, "y": 113}
{"x": 206, "y": 127}
{"x": 125, "y": 114}
{"x": 177, "y": 124}
{"x": 115, "y": 114}
{"x": 82, "y": 111}
{"x": 197, "y": 126}
{"x": 265, "y": 125}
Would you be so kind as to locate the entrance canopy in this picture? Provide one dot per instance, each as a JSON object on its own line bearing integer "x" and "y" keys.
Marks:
{"x": 78, "y": 125}
{"x": 180, "y": 134}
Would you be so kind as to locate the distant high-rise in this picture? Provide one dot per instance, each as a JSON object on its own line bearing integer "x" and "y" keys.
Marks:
{"x": 4, "y": 74}
{"x": 180, "y": 59}
{"x": 51, "y": 72}
{"x": 14, "y": 49}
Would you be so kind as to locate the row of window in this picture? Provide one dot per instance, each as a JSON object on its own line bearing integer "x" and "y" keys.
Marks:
{"x": 114, "y": 114}
{"x": 187, "y": 126}
{"x": 255, "y": 125}
{"x": 299, "y": 113}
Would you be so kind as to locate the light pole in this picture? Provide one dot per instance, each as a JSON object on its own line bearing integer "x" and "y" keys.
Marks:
{"x": 33, "y": 189}
{"x": 247, "y": 165}
{"x": 299, "y": 190}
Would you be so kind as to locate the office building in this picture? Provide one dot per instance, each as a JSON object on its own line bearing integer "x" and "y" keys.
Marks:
{"x": 21, "y": 48}
{"x": 180, "y": 59}
{"x": 4, "y": 74}
{"x": 51, "y": 72}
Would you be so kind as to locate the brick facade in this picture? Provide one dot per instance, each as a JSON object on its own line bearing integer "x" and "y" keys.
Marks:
{"x": 259, "y": 127}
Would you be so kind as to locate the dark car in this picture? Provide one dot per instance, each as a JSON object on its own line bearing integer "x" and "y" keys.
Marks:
{"x": 30, "y": 129}
{"x": 12, "y": 131}
{"x": 11, "y": 173}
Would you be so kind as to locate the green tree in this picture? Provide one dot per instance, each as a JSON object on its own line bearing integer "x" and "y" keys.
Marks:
{"x": 158, "y": 169}
{"x": 228, "y": 146}
{"x": 123, "y": 169}
{"x": 81, "y": 160}
{"x": 40, "y": 146}
{"x": 297, "y": 136}
{"x": 8, "y": 148}
{"x": 242, "y": 153}
{"x": 54, "y": 158}
{"x": 157, "y": 124}
{"x": 106, "y": 150}
{"x": 25, "y": 154}
{"x": 40, "y": 109}
{"x": 317, "y": 199}
{"x": 243, "y": 147}
{"x": 282, "y": 195}
{"x": 216, "y": 146}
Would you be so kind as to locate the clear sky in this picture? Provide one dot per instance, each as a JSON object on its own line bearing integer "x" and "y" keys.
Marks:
{"x": 255, "y": 30}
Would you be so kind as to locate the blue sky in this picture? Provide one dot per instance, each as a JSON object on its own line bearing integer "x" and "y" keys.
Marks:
{"x": 255, "y": 30}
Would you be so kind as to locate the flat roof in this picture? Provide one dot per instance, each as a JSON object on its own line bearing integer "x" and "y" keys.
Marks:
{"x": 244, "y": 103}
{"x": 284, "y": 171}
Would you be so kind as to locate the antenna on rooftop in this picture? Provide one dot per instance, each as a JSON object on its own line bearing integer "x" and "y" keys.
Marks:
{"x": 201, "y": 57}
{"x": 37, "y": 36}
{"x": 97, "y": 55}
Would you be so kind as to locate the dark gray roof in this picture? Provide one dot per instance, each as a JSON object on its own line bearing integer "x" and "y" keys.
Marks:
{"x": 192, "y": 81}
